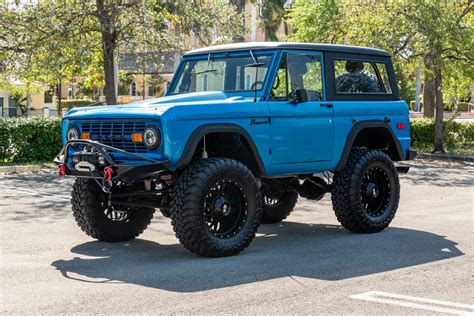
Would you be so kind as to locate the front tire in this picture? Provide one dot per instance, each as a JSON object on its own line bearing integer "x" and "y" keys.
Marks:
{"x": 216, "y": 207}
{"x": 103, "y": 222}
{"x": 366, "y": 192}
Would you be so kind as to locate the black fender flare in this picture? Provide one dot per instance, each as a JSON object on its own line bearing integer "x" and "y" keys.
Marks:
{"x": 202, "y": 130}
{"x": 356, "y": 129}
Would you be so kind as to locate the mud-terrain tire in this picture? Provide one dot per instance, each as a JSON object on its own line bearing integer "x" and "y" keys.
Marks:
{"x": 216, "y": 207}
{"x": 102, "y": 222}
{"x": 277, "y": 206}
{"x": 165, "y": 212}
{"x": 366, "y": 192}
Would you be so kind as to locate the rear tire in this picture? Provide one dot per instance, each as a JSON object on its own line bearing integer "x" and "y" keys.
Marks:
{"x": 216, "y": 207}
{"x": 366, "y": 192}
{"x": 277, "y": 205}
{"x": 102, "y": 222}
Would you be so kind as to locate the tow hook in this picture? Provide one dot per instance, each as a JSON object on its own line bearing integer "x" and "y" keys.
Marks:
{"x": 107, "y": 180}
{"x": 108, "y": 174}
{"x": 62, "y": 170}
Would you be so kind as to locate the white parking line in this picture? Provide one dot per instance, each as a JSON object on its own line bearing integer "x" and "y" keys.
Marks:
{"x": 416, "y": 302}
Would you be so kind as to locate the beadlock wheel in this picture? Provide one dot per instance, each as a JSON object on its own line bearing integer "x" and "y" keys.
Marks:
{"x": 225, "y": 208}
{"x": 277, "y": 204}
{"x": 375, "y": 191}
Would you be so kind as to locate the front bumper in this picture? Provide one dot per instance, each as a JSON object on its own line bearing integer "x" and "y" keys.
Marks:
{"x": 121, "y": 172}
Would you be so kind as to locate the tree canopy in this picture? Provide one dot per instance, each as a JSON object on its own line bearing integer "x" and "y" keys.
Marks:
{"x": 50, "y": 41}
{"x": 437, "y": 34}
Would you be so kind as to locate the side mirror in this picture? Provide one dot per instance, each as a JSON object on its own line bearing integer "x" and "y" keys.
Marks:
{"x": 299, "y": 96}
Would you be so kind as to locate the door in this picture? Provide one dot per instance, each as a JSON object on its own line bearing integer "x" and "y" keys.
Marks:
{"x": 301, "y": 132}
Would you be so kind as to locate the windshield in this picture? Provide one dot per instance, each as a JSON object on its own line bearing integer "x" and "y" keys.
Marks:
{"x": 228, "y": 74}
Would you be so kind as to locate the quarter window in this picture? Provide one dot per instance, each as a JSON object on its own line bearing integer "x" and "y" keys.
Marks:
{"x": 361, "y": 77}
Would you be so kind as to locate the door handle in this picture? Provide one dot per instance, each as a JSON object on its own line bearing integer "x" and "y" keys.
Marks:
{"x": 328, "y": 105}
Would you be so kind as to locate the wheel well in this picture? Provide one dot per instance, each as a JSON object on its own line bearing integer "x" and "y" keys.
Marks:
{"x": 377, "y": 138}
{"x": 230, "y": 145}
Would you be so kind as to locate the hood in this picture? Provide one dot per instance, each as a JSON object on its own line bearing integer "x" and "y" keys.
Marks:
{"x": 149, "y": 108}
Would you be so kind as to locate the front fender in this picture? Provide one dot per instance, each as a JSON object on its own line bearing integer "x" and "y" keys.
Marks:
{"x": 188, "y": 150}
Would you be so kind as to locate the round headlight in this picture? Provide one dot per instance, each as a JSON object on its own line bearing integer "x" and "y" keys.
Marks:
{"x": 72, "y": 133}
{"x": 151, "y": 137}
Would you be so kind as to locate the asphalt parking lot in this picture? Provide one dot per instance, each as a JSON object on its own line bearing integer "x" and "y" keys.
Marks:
{"x": 308, "y": 264}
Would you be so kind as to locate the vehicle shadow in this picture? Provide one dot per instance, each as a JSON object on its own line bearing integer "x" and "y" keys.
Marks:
{"x": 325, "y": 252}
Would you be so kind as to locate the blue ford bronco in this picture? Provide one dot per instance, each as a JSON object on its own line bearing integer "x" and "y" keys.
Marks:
{"x": 243, "y": 130}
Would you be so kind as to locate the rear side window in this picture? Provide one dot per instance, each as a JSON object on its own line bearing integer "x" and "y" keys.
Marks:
{"x": 361, "y": 77}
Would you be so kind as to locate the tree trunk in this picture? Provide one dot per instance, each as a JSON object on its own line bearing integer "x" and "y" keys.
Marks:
{"x": 240, "y": 7}
{"x": 109, "y": 71}
{"x": 428, "y": 95}
{"x": 60, "y": 92}
{"x": 109, "y": 45}
{"x": 438, "y": 137}
{"x": 419, "y": 73}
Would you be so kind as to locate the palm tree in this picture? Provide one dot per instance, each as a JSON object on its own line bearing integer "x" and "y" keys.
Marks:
{"x": 273, "y": 14}
{"x": 240, "y": 7}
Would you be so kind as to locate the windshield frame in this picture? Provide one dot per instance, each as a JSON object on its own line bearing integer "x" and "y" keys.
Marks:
{"x": 244, "y": 53}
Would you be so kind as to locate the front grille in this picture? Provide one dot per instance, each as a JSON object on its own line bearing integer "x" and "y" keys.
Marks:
{"x": 116, "y": 134}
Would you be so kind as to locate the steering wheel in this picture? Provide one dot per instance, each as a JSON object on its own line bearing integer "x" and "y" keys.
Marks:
{"x": 276, "y": 83}
{"x": 252, "y": 87}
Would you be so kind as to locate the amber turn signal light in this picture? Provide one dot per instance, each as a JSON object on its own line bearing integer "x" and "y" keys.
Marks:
{"x": 85, "y": 136}
{"x": 137, "y": 138}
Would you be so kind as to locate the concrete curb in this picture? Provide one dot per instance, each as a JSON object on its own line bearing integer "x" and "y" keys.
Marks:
{"x": 25, "y": 168}
{"x": 444, "y": 157}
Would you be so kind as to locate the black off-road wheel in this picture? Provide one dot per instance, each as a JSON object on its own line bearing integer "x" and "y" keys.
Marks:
{"x": 366, "y": 192}
{"x": 277, "y": 204}
{"x": 103, "y": 222}
{"x": 216, "y": 207}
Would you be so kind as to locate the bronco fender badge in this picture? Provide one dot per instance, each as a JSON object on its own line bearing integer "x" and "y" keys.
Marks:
{"x": 255, "y": 122}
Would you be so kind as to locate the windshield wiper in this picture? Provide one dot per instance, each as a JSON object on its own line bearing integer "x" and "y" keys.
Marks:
{"x": 204, "y": 71}
{"x": 254, "y": 65}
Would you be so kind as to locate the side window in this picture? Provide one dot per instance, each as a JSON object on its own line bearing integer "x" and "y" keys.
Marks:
{"x": 298, "y": 71}
{"x": 361, "y": 77}
{"x": 279, "y": 87}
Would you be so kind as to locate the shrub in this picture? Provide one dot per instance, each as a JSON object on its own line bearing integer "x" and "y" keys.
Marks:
{"x": 30, "y": 139}
{"x": 455, "y": 133}
{"x": 448, "y": 107}
{"x": 464, "y": 106}
{"x": 69, "y": 104}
